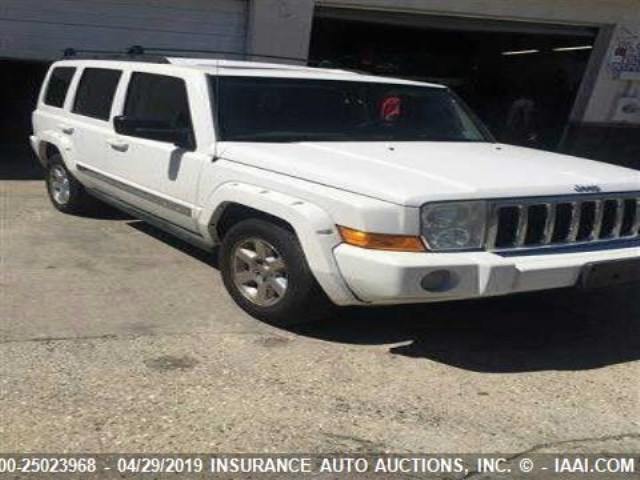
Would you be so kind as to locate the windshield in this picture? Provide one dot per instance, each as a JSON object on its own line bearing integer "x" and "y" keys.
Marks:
{"x": 259, "y": 109}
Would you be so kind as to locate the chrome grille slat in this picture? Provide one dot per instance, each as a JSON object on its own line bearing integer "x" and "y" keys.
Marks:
{"x": 549, "y": 223}
{"x": 635, "y": 229}
{"x": 529, "y": 223}
{"x": 523, "y": 220}
{"x": 597, "y": 221}
{"x": 492, "y": 227}
{"x": 617, "y": 225}
{"x": 576, "y": 213}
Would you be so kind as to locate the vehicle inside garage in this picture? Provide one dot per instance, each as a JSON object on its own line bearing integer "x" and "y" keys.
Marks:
{"x": 521, "y": 79}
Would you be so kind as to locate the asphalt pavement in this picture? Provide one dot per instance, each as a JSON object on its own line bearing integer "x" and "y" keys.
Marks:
{"x": 115, "y": 337}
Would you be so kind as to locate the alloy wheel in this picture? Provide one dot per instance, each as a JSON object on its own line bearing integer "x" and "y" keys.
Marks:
{"x": 259, "y": 272}
{"x": 59, "y": 183}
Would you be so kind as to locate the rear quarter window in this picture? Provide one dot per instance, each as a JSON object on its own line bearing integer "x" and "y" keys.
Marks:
{"x": 58, "y": 86}
{"x": 95, "y": 92}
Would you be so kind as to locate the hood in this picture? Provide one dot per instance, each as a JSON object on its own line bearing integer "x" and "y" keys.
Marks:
{"x": 412, "y": 173}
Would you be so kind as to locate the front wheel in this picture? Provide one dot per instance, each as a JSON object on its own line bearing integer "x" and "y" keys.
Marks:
{"x": 265, "y": 271}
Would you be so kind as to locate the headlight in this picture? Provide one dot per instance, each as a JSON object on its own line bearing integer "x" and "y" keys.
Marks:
{"x": 454, "y": 225}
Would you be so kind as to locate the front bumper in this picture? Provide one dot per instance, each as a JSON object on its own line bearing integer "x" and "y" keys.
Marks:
{"x": 379, "y": 277}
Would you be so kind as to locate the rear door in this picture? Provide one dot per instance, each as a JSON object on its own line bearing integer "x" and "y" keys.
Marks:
{"x": 155, "y": 175}
{"x": 89, "y": 122}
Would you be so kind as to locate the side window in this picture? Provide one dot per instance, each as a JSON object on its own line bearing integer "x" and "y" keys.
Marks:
{"x": 58, "y": 86}
{"x": 159, "y": 100}
{"x": 95, "y": 92}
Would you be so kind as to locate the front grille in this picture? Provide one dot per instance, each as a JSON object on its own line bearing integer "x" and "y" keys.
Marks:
{"x": 543, "y": 222}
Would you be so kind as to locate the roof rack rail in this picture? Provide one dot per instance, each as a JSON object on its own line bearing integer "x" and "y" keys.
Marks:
{"x": 159, "y": 54}
{"x": 133, "y": 53}
{"x": 244, "y": 55}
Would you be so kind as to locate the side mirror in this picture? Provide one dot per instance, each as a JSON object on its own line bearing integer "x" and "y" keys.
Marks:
{"x": 184, "y": 139}
{"x": 154, "y": 130}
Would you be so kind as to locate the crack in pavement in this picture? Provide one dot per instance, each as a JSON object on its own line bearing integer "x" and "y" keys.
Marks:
{"x": 61, "y": 339}
{"x": 112, "y": 336}
{"x": 363, "y": 443}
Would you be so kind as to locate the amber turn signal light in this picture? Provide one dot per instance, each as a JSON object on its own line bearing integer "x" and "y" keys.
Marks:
{"x": 380, "y": 241}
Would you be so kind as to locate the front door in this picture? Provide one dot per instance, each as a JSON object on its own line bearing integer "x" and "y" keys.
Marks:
{"x": 154, "y": 174}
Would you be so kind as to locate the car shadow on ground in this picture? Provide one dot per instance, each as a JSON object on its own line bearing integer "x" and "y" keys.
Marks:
{"x": 557, "y": 330}
{"x": 210, "y": 258}
{"x": 560, "y": 330}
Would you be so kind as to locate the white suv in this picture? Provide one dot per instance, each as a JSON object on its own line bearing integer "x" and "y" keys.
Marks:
{"x": 330, "y": 187}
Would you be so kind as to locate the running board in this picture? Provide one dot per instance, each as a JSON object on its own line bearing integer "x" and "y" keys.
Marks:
{"x": 193, "y": 238}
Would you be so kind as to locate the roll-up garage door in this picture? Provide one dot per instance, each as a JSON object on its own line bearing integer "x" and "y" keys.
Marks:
{"x": 442, "y": 22}
{"x": 41, "y": 29}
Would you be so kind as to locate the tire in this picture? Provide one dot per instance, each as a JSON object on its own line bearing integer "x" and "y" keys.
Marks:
{"x": 274, "y": 285}
{"x": 65, "y": 192}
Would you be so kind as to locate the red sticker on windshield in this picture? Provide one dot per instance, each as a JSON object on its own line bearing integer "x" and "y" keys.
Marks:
{"x": 390, "y": 108}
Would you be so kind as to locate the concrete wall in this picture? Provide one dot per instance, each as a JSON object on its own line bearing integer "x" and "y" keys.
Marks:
{"x": 612, "y": 86}
{"x": 283, "y": 27}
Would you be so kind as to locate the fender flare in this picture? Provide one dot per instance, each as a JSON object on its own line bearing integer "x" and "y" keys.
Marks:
{"x": 62, "y": 143}
{"x": 314, "y": 228}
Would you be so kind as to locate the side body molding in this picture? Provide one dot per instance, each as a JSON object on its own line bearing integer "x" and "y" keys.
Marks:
{"x": 316, "y": 231}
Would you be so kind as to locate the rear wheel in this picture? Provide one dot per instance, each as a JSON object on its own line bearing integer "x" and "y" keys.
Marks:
{"x": 65, "y": 192}
{"x": 265, "y": 271}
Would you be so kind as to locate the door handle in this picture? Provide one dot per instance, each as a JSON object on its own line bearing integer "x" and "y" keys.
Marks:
{"x": 118, "y": 145}
{"x": 66, "y": 129}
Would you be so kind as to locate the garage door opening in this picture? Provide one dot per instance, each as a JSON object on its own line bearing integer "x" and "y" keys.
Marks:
{"x": 522, "y": 80}
{"x": 20, "y": 83}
